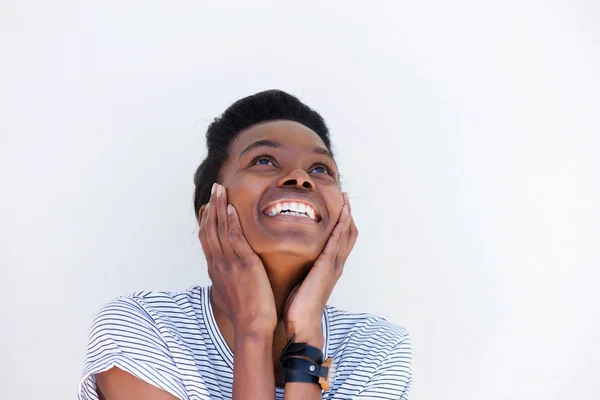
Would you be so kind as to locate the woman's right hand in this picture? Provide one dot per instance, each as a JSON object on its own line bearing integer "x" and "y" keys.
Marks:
{"x": 241, "y": 288}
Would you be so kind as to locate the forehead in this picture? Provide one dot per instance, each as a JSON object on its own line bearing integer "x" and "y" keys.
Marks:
{"x": 289, "y": 134}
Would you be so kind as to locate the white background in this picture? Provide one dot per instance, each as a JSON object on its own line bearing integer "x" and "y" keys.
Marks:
{"x": 467, "y": 132}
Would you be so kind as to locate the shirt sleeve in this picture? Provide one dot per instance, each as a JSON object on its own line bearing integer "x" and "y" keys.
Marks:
{"x": 393, "y": 377}
{"x": 124, "y": 335}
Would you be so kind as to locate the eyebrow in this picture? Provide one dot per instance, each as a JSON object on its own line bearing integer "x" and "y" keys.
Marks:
{"x": 276, "y": 145}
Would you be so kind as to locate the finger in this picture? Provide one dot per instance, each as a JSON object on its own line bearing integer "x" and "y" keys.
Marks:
{"x": 324, "y": 274}
{"x": 332, "y": 247}
{"x": 211, "y": 226}
{"x": 340, "y": 258}
{"x": 349, "y": 242}
{"x": 204, "y": 240}
{"x": 203, "y": 237}
{"x": 326, "y": 270}
{"x": 350, "y": 220}
{"x": 352, "y": 236}
{"x": 347, "y": 202}
{"x": 290, "y": 299}
{"x": 352, "y": 233}
{"x": 237, "y": 240}
{"x": 222, "y": 221}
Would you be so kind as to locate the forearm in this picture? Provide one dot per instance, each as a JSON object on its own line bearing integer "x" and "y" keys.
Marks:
{"x": 301, "y": 390}
{"x": 253, "y": 375}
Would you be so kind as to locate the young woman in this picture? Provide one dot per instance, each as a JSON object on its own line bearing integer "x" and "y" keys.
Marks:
{"x": 276, "y": 230}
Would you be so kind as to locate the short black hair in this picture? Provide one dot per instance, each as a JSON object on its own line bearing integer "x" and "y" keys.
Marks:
{"x": 269, "y": 105}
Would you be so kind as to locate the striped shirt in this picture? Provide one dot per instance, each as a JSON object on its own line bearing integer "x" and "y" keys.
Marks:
{"x": 171, "y": 340}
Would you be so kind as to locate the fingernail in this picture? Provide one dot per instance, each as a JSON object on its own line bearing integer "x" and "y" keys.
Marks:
{"x": 219, "y": 190}
{"x": 212, "y": 191}
{"x": 229, "y": 209}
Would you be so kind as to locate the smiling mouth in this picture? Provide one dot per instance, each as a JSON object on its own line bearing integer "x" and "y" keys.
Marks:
{"x": 294, "y": 209}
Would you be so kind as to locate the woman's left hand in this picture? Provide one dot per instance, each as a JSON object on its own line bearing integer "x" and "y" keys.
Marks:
{"x": 305, "y": 305}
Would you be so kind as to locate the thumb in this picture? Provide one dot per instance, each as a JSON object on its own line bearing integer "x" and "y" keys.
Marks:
{"x": 290, "y": 299}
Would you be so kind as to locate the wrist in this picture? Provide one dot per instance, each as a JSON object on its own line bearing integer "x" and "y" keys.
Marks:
{"x": 256, "y": 339}
{"x": 254, "y": 329}
{"x": 303, "y": 362}
{"x": 256, "y": 346}
{"x": 311, "y": 336}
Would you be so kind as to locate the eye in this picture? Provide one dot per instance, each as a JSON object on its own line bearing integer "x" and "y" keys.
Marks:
{"x": 263, "y": 159}
{"x": 322, "y": 169}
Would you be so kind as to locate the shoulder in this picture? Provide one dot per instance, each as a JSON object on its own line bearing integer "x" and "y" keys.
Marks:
{"x": 373, "y": 356}
{"x": 151, "y": 308}
{"x": 141, "y": 334}
{"x": 345, "y": 326}
{"x": 160, "y": 299}
{"x": 358, "y": 340}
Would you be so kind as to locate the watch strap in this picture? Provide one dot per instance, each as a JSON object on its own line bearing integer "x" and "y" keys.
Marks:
{"x": 305, "y": 367}
{"x": 292, "y": 349}
{"x": 303, "y": 350}
{"x": 290, "y": 375}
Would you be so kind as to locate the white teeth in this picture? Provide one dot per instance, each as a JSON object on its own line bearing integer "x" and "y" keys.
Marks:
{"x": 297, "y": 214}
{"x": 293, "y": 208}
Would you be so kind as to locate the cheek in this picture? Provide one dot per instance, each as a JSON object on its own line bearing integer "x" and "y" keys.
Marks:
{"x": 244, "y": 201}
{"x": 335, "y": 202}
{"x": 244, "y": 192}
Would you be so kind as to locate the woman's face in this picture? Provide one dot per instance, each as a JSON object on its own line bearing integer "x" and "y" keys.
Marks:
{"x": 284, "y": 184}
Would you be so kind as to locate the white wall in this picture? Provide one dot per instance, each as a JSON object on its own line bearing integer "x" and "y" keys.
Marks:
{"x": 468, "y": 134}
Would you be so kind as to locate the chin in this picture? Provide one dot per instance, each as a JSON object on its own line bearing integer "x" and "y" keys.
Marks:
{"x": 284, "y": 249}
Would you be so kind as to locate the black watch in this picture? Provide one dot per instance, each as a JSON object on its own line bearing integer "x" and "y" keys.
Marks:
{"x": 310, "y": 368}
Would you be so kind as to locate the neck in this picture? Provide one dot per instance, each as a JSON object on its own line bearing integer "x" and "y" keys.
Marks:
{"x": 284, "y": 273}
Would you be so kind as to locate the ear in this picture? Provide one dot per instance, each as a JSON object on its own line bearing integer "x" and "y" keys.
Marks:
{"x": 201, "y": 212}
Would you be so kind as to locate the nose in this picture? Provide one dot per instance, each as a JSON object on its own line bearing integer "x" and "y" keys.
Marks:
{"x": 298, "y": 179}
